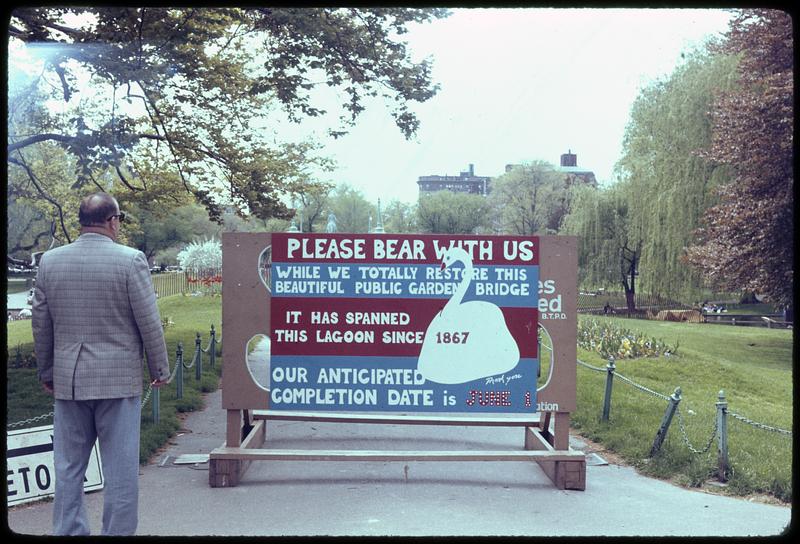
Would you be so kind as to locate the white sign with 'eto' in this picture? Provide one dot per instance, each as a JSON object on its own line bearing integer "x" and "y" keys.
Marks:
{"x": 30, "y": 470}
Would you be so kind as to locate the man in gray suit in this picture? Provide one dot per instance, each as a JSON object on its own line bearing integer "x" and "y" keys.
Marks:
{"x": 94, "y": 317}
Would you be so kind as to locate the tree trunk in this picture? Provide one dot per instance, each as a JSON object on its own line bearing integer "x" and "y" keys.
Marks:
{"x": 630, "y": 300}
{"x": 628, "y": 269}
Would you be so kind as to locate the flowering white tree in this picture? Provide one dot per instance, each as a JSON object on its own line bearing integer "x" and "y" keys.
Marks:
{"x": 201, "y": 258}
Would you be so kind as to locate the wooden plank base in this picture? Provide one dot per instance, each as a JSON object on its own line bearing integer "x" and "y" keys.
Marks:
{"x": 566, "y": 468}
{"x": 389, "y": 455}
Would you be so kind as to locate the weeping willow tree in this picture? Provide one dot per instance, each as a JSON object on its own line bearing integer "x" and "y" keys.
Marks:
{"x": 610, "y": 247}
{"x": 635, "y": 233}
{"x": 668, "y": 185}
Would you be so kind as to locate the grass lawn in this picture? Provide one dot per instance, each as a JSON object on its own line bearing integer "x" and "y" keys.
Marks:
{"x": 189, "y": 315}
{"x": 753, "y": 366}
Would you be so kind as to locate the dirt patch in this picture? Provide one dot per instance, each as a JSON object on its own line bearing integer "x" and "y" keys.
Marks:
{"x": 713, "y": 488}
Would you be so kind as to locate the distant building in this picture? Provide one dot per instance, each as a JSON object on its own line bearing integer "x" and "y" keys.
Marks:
{"x": 569, "y": 166}
{"x": 465, "y": 182}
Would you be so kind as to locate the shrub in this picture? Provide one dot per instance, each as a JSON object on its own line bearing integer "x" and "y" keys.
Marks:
{"x": 200, "y": 257}
{"x": 611, "y": 341}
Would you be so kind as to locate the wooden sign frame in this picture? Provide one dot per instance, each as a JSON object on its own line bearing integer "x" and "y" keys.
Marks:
{"x": 246, "y": 314}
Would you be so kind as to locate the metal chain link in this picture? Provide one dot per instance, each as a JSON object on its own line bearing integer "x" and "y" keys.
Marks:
{"x": 665, "y": 398}
{"x": 169, "y": 381}
{"x": 759, "y": 425}
{"x": 147, "y": 395}
{"x": 625, "y": 379}
{"x": 686, "y": 437}
{"x": 212, "y": 340}
{"x": 597, "y": 368}
{"x": 187, "y": 367}
{"x": 641, "y": 387}
{"x": 31, "y": 420}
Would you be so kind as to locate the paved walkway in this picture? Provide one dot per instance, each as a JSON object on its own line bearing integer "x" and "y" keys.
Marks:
{"x": 407, "y": 499}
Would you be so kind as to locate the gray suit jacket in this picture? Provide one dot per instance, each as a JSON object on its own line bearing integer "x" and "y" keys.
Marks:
{"x": 94, "y": 316}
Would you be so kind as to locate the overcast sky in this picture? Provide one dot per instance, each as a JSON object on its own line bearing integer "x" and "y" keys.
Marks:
{"x": 519, "y": 85}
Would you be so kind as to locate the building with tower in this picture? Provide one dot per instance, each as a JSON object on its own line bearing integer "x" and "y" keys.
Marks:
{"x": 569, "y": 166}
{"x": 465, "y": 182}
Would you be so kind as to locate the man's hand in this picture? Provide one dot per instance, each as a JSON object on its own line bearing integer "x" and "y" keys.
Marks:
{"x": 48, "y": 386}
{"x": 159, "y": 383}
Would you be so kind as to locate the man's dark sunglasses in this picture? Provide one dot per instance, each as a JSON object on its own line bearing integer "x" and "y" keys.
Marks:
{"x": 120, "y": 215}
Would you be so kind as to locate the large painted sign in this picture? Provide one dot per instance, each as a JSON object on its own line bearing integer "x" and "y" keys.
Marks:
{"x": 321, "y": 323}
{"x": 403, "y": 322}
{"x": 30, "y": 468}
{"x": 431, "y": 323}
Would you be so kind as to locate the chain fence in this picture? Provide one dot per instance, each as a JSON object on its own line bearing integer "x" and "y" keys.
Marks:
{"x": 179, "y": 366}
{"x": 172, "y": 375}
{"x": 719, "y": 427}
{"x": 758, "y": 425}
{"x": 685, "y": 436}
{"x": 642, "y": 388}
{"x": 42, "y": 417}
{"x": 663, "y": 397}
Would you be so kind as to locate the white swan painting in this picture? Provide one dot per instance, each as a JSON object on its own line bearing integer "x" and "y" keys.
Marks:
{"x": 466, "y": 340}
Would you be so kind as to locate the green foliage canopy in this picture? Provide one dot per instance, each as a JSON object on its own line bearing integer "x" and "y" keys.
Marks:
{"x": 447, "y": 212}
{"x": 177, "y": 94}
{"x": 530, "y": 198}
{"x": 351, "y": 208}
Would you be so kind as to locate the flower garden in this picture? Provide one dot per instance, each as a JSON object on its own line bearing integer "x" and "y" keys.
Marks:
{"x": 609, "y": 340}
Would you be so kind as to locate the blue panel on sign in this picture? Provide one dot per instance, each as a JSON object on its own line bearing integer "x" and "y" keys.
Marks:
{"x": 394, "y": 384}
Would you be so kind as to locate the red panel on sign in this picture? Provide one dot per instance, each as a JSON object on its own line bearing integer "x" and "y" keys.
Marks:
{"x": 372, "y": 327}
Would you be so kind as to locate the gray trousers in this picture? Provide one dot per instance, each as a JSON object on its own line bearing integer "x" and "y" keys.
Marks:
{"x": 115, "y": 423}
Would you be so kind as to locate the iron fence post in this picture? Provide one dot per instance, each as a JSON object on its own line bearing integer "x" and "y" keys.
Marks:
{"x": 674, "y": 400}
{"x": 179, "y": 370}
{"x": 722, "y": 440}
{"x": 212, "y": 346}
{"x": 609, "y": 382}
{"x": 198, "y": 357}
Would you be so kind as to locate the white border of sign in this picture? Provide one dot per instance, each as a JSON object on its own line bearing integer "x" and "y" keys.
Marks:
{"x": 30, "y": 472}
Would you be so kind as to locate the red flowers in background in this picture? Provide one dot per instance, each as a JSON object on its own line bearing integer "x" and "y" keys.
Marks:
{"x": 205, "y": 281}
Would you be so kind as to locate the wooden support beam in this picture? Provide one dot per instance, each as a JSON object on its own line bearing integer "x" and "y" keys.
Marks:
{"x": 388, "y": 455}
{"x": 227, "y": 472}
{"x": 544, "y": 426}
{"x": 233, "y": 428}
{"x": 561, "y": 431}
{"x": 286, "y": 415}
{"x": 569, "y": 473}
